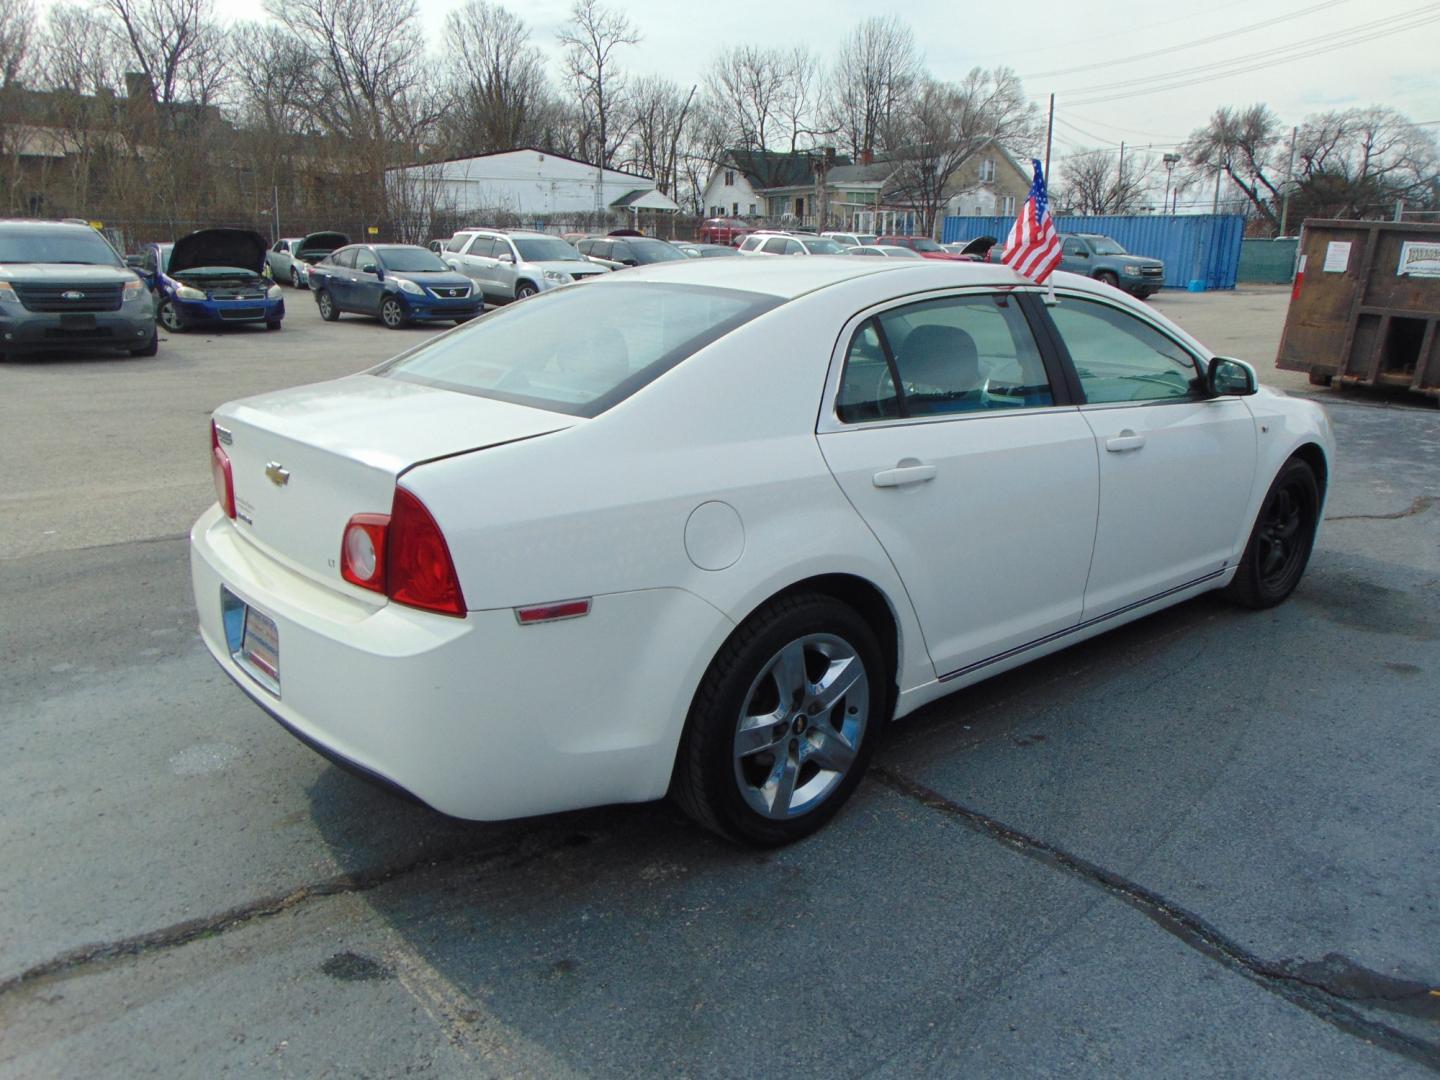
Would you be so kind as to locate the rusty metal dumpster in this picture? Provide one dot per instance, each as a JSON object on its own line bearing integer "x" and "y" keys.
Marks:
{"x": 1365, "y": 306}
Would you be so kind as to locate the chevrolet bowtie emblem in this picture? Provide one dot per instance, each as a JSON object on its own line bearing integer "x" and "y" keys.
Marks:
{"x": 278, "y": 474}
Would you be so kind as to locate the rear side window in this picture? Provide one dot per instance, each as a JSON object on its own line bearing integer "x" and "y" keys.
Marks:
{"x": 580, "y": 351}
{"x": 955, "y": 355}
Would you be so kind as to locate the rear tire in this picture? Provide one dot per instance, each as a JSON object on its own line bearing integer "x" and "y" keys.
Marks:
{"x": 1279, "y": 547}
{"x": 784, "y": 722}
{"x": 294, "y": 278}
{"x": 326, "y": 303}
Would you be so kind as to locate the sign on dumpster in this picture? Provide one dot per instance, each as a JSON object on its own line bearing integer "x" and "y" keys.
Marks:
{"x": 1419, "y": 260}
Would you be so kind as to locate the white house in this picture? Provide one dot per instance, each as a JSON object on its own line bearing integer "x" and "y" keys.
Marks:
{"x": 528, "y": 183}
{"x": 729, "y": 193}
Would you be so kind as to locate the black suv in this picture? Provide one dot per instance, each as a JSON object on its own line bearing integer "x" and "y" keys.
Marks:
{"x": 64, "y": 287}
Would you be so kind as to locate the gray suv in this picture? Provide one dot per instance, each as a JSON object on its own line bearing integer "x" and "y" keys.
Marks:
{"x": 511, "y": 265}
{"x": 1101, "y": 258}
{"x": 63, "y": 287}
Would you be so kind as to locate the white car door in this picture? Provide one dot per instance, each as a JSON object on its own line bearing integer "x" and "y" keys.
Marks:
{"x": 977, "y": 476}
{"x": 1176, "y": 467}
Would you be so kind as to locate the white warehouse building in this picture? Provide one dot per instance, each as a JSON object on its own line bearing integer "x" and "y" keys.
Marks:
{"x": 527, "y": 183}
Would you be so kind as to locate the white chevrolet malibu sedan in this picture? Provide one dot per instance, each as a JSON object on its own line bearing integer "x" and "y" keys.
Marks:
{"x": 706, "y": 527}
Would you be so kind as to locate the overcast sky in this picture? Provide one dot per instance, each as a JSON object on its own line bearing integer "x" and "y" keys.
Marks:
{"x": 1045, "y": 36}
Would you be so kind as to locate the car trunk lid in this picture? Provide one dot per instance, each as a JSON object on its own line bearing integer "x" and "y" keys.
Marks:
{"x": 304, "y": 461}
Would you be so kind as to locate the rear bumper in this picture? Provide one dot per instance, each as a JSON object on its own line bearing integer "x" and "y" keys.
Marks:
{"x": 479, "y": 717}
{"x": 34, "y": 331}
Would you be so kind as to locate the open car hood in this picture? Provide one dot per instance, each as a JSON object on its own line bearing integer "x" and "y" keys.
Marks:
{"x": 243, "y": 249}
{"x": 979, "y": 246}
{"x": 323, "y": 242}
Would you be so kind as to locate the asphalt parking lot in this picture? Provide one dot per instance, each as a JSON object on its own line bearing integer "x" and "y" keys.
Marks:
{"x": 1205, "y": 844}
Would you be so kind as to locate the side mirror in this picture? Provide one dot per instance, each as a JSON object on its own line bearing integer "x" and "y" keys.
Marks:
{"x": 369, "y": 268}
{"x": 1230, "y": 378}
{"x": 506, "y": 258}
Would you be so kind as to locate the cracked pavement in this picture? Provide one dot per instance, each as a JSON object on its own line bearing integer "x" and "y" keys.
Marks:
{"x": 1204, "y": 844}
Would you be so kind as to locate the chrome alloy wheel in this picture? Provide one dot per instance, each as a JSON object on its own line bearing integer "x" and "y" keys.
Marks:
{"x": 801, "y": 724}
{"x": 392, "y": 314}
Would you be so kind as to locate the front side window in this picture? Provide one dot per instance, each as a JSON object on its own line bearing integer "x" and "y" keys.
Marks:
{"x": 1072, "y": 247}
{"x": 1120, "y": 358}
{"x": 775, "y": 246}
{"x": 545, "y": 249}
{"x": 954, "y": 355}
{"x": 580, "y": 351}
{"x": 345, "y": 257}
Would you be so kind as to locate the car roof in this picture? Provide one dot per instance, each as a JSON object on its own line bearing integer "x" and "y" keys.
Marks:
{"x": 788, "y": 278}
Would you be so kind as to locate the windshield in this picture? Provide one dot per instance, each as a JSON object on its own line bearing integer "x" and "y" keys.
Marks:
{"x": 1103, "y": 245}
{"x": 547, "y": 249}
{"x": 580, "y": 351}
{"x": 165, "y": 250}
{"x": 714, "y": 252}
{"x": 412, "y": 259}
{"x": 924, "y": 244}
{"x": 653, "y": 251}
{"x": 823, "y": 247}
{"x": 866, "y": 238}
{"x": 57, "y": 245}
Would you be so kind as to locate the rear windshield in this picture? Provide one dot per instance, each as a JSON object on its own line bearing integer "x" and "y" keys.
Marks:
{"x": 580, "y": 350}
{"x": 59, "y": 245}
{"x": 823, "y": 247}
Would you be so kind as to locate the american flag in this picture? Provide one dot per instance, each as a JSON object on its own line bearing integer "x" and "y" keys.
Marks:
{"x": 1033, "y": 246}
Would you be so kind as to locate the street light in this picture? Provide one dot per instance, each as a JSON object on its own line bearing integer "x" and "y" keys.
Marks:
{"x": 1171, "y": 160}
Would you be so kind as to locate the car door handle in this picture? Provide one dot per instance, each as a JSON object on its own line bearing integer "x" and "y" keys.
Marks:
{"x": 1126, "y": 440}
{"x": 902, "y": 475}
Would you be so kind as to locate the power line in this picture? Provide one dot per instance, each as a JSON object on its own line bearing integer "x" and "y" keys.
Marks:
{"x": 1192, "y": 44}
{"x": 1254, "y": 61}
{"x": 1124, "y": 130}
{"x": 1070, "y": 43}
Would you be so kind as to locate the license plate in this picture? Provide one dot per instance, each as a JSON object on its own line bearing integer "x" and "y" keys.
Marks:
{"x": 261, "y": 643}
{"x": 253, "y": 639}
{"x": 77, "y": 322}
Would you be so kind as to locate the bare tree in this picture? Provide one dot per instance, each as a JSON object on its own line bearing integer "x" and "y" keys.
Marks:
{"x": 591, "y": 39}
{"x": 496, "y": 79}
{"x": 746, "y": 83}
{"x": 661, "y": 111}
{"x": 941, "y": 125}
{"x": 17, "y": 18}
{"x": 1360, "y": 162}
{"x": 1100, "y": 182}
{"x": 176, "y": 45}
{"x": 1245, "y": 145}
{"x": 876, "y": 70}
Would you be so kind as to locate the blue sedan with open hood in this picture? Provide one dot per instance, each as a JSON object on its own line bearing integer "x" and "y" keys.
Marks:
{"x": 211, "y": 277}
{"x": 401, "y": 283}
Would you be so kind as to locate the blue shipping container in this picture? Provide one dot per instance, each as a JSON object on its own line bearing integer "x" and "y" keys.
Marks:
{"x": 1204, "y": 247}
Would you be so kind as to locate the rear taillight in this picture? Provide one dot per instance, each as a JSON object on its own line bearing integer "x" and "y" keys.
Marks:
{"x": 362, "y": 551}
{"x": 418, "y": 568}
{"x": 221, "y": 473}
{"x": 404, "y": 556}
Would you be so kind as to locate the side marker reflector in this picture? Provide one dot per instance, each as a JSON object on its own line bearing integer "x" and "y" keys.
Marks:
{"x": 566, "y": 609}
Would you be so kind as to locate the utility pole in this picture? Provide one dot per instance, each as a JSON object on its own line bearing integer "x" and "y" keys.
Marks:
{"x": 1049, "y": 134}
{"x": 1120, "y": 180}
{"x": 1289, "y": 182}
{"x": 1215, "y": 206}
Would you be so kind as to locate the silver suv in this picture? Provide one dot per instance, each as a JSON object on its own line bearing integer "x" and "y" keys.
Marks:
{"x": 511, "y": 265}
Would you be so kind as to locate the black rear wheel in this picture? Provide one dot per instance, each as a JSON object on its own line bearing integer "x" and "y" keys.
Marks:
{"x": 1280, "y": 543}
